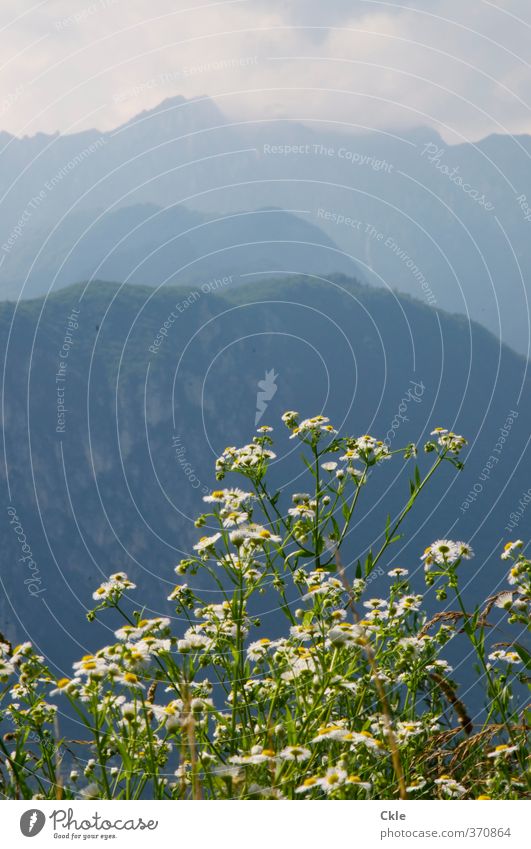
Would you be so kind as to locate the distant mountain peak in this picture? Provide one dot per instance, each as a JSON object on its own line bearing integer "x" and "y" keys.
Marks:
{"x": 173, "y": 112}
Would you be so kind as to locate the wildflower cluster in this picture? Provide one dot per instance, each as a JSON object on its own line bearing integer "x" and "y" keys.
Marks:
{"x": 351, "y": 699}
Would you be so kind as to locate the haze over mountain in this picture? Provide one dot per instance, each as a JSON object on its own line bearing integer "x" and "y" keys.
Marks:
{"x": 110, "y": 473}
{"x": 448, "y": 224}
{"x": 140, "y": 243}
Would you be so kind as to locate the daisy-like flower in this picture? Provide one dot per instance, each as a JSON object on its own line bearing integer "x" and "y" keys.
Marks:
{"x": 309, "y": 784}
{"x": 451, "y": 442}
{"x": 216, "y": 497}
{"x": 398, "y": 572}
{"x": 113, "y": 589}
{"x": 301, "y": 497}
{"x": 323, "y": 587}
{"x": 295, "y": 753}
{"x": 298, "y": 666}
{"x": 304, "y": 633}
{"x": 375, "y": 604}
{"x": 257, "y": 755}
{"x": 445, "y": 551}
{"x": 233, "y": 518}
{"x": 367, "y": 448}
{"x": 247, "y": 459}
{"x": 302, "y": 511}
{"x": 6, "y": 669}
{"x": 331, "y": 732}
{"x": 329, "y": 467}
{"x": 415, "y": 785}
{"x": 333, "y": 779}
{"x": 314, "y": 427}
{"x": 91, "y": 791}
{"x": 504, "y": 601}
{"x": 364, "y": 738}
{"x": 357, "y": 782}
{"x": 507, "y": 656}
{"x": 171, "y": 714}
{"x": 415, "y": 645}
{"x": 206, "y": 544}
{"x": 129, "y": 679}
{"x": 450, "y": 787}
{"x": 517, "y": 573}
{"x": 290, "y": 418}
{"x": 503, "y": 750}
{"x": 181, "y": 592}
{"x": 254, "y": 534}
{"x": 129, "y": 711}
{"x": 439, "y": 665}
{"x": 406, "y": 730}
{"x": 409, "y": 603}
{"x": 344, "y": 633}
{"x": 66, "y": 685}
{"x": 510, "y": 547}
{"x": 92, "y": 666}
{"x": 258, "y": 649}
{"x": 232, "y": 497}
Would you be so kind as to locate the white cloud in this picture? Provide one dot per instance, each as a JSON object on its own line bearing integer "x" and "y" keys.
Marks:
{"x": 458, "y": 66}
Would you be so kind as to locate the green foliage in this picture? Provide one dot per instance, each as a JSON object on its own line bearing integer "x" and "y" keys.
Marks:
{"x": 354, "y": 700}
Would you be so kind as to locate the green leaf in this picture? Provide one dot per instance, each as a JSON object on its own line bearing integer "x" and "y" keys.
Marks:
{"x": 524, "y": 655}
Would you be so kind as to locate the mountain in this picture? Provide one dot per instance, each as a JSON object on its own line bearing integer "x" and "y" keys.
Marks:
{"x": 109, "y": 472}
{"x": 144, "y": 242}
{"x": 446, "y": 223}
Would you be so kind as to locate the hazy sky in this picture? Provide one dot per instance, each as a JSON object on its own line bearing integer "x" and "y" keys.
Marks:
{"x": 461, "y": 66}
